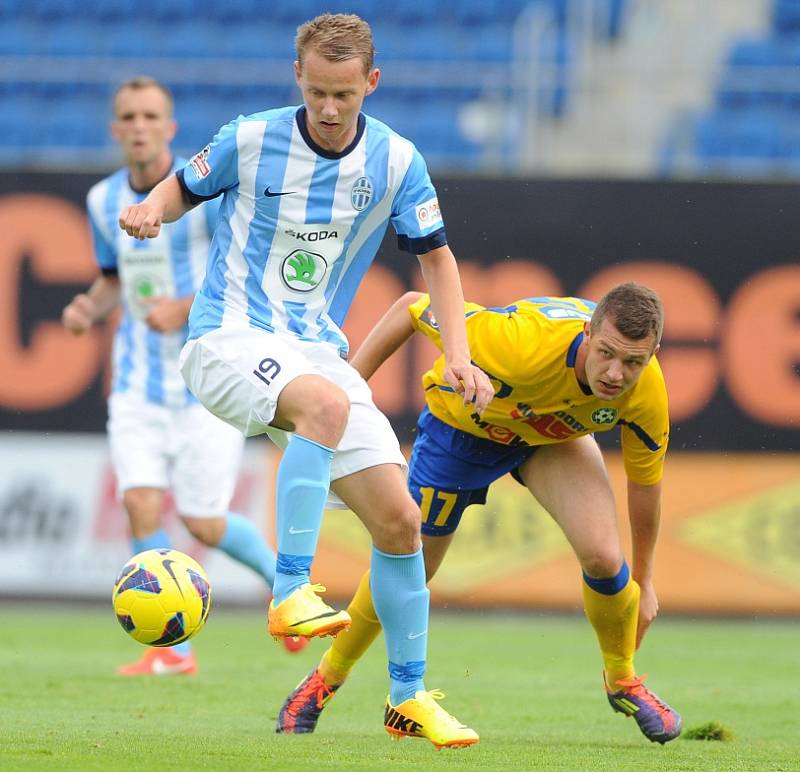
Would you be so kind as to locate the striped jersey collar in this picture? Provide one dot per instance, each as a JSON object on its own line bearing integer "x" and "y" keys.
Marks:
{"x": 300, "y": 117}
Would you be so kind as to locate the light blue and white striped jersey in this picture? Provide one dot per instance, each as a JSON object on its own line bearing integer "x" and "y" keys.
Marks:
{"x": 172, "y": 264}
{"x": 299, "y": 225}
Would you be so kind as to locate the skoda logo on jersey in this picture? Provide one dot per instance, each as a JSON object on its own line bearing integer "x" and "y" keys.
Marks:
{"x": 303, "y": 271}
{"x": 605, "y": 415}
{"x": 361, "y": 193}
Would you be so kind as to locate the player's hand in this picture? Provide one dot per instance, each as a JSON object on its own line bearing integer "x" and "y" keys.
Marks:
{"x": 78, "y": 316}
{"x": 165, "y": 314}
{"x": 648, "y": 610}
{"x": 142, "y": 221}
{"x": 471, "y": 383}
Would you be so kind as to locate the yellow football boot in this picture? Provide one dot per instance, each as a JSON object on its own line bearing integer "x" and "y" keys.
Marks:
{"x": 422, "y": 716}
{"x": 305, "y": 615}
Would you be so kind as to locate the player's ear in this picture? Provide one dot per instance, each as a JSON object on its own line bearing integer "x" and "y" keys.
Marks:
{"x": 297, "y": 72}
{"x": 587, "y": 329}
{"x": 172, "y": 130}
{"x": 372, "y": 80}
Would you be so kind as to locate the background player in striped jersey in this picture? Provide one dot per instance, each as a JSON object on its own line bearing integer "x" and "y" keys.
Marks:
{"x": 562, "y": 370}
{"x": 159, "y": 433}
{"x": 307, "y": 193}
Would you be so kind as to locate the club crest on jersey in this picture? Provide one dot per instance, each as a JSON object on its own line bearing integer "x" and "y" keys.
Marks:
{"x": 361, "y": 193}
{"x": 200, "y": 163}
{"x": 303, "y": 271}
{"x": 605, "y": 415}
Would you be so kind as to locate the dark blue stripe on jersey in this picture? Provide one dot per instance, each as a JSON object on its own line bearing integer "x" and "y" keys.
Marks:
{"x": 109, "y": 271}
{"x": 572, "y": 352}
{"x": 612, "y": 585}
{"x": 181, "y": 258}
{"x": 194, "y": 198}
{"x": 300, "y": 117}
{"x": 649, "y": 442}
{"x": 423, "y": 244}
{"x": 321, "y": 191}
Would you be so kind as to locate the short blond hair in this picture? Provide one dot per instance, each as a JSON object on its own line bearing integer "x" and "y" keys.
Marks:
{"x": 336, "y": 37}
{"x": 140, "y": 82}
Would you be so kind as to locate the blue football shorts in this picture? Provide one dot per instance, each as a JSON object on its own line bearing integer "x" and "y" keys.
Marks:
{"x": 451, "y": 469}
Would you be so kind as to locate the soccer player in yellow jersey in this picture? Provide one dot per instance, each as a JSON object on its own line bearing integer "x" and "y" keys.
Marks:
{"x": 563, "y": 368}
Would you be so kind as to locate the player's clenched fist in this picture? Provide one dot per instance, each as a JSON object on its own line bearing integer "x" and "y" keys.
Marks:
{"x": 142, "y": 221}
{"x": 78, "y": 316}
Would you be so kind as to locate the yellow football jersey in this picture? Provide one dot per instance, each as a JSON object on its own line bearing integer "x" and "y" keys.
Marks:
{"x": 528, "y": 350}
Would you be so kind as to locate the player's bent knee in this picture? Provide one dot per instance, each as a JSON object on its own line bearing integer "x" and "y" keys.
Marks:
{"x": 323, "y": 415}
{"x": 602, "y": 564}
{"x": 398, "y": 531}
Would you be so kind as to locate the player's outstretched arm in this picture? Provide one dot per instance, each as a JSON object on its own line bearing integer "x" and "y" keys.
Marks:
{"x": 644, "y": 513}
{"x": 91, "y": 306}
{"x": 447, "y": 300}
{"x": 393, "y": 329}
{"x": 166, "y": 202}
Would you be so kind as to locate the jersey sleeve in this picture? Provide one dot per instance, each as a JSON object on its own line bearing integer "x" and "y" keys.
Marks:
{"x": 491, "y": 333}
{"x": 416, "y": 216}
{"x": 104, "y": 251}
{"x": 645, "y": 428}
{"x": 215, "y": 168}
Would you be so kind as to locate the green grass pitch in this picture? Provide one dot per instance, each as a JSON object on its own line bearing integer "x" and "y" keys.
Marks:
{"x": 530, "y": 684}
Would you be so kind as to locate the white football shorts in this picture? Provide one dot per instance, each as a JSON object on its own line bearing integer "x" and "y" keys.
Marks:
{"x": 239, "y": 373}
{"x": 185, "y": 449}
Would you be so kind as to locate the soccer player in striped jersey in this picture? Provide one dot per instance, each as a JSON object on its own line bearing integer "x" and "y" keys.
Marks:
{"x": 160, "y": 435}
{"x": 307, "y": 193}
{"x": 563, "y": 369}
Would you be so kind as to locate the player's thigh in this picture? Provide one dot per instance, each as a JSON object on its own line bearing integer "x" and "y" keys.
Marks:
{"x": 570, "y": 481}
{"x": 207, "y": 460}
{"x": 140, "y": 442}
{"x": 380, "y": 498}
{"x": 239, "y": 374}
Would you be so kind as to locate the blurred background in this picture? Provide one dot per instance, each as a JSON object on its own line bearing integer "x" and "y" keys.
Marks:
{"x": 574, "y": 144}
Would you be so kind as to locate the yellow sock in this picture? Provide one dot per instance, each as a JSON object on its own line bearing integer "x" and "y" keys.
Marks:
{"x": 348, "y": 647}
{"x": 614, "y": 618}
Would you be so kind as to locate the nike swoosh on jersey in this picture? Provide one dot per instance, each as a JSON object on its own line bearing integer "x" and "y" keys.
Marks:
{"x": 269, "y": 194}
{"x": 412, "y": 636}
{"x": 295, "y": 531}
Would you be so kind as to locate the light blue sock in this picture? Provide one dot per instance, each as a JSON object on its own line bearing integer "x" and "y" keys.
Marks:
{"x": 302, "y": 484}
{"x": 155, "y": 541}
{"x": 159, "y": 540}
{"x": 243, "y": 542}
{"x": 401, "y": 601}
